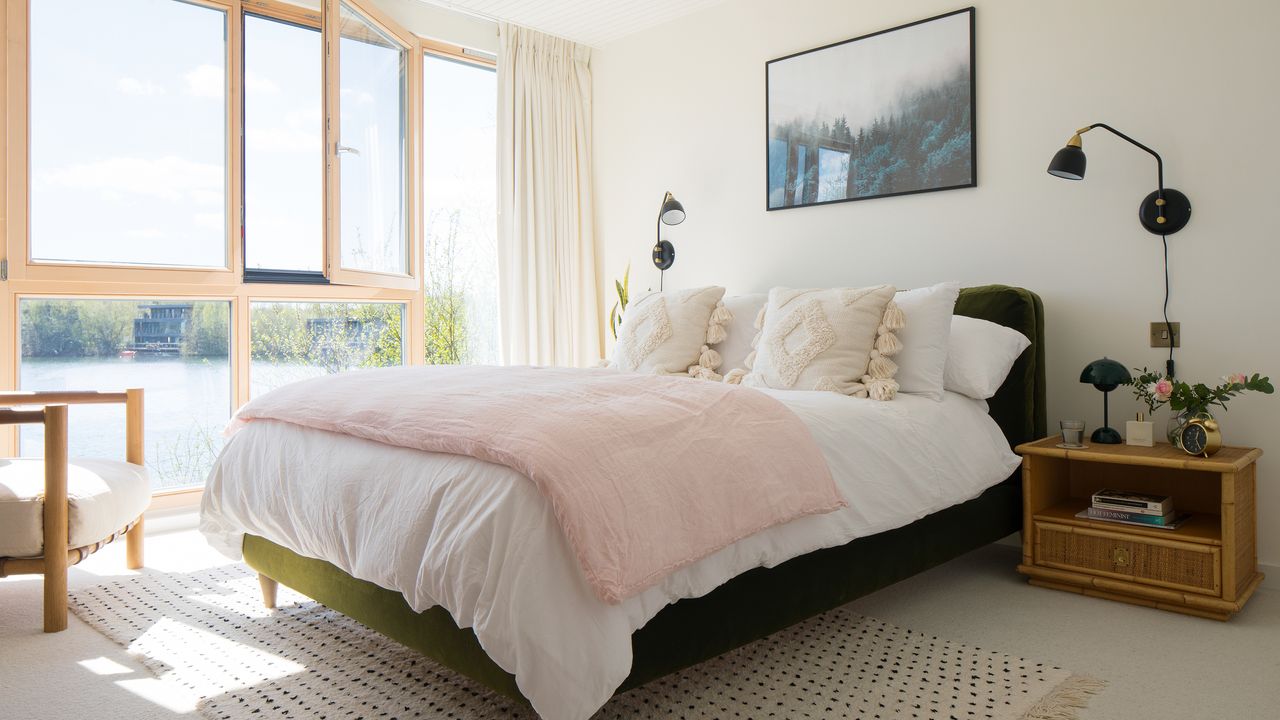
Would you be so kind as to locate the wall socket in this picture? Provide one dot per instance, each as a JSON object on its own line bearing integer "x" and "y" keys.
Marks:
{"x": 1160, "y": 334}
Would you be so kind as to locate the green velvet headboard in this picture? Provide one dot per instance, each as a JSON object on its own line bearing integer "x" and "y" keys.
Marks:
{"x": 1019, "y": 405}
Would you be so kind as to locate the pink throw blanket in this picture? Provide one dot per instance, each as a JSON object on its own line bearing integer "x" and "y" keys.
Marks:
{"x": 645, "y": 473}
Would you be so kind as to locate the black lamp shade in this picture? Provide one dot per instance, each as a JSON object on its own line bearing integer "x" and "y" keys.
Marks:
{"x": 1105, "y": 374}
{"x": 672, "y": 211}
{"x": 1068, "y": 163}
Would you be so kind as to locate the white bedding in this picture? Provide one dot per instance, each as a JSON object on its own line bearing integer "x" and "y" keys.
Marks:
{"x": 480, "y": 540}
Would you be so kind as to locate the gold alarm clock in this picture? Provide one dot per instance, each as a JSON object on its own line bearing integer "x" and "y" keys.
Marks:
{"x": 1201, "y": 436}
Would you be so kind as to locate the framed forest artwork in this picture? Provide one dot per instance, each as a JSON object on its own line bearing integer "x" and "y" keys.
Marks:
{"x": 889, "y": 113}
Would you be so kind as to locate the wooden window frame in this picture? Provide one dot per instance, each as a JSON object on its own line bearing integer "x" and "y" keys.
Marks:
{"x": 26, "y": 279}
{"x": 412, "y": 279}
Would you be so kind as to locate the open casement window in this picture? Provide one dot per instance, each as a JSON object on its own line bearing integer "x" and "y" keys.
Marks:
{"x": 371, "y": 71}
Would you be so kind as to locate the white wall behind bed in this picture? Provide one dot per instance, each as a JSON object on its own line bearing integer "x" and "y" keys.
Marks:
{"x": 681, "y": 107}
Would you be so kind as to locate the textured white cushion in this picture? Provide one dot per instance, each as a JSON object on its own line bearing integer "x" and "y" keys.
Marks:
{"x": 837, "y": 339}
{"x": 922, "y": 362}
{"x": 740, "y": 331}
{"x": 103, "y": 496}
{"x": 981, "y": 356}
{"x": 667, "y": 332}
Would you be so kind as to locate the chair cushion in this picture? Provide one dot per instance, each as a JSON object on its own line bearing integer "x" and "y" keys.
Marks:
{"x": 103, "y": 496}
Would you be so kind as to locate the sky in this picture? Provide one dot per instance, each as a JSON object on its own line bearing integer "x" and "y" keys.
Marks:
{"x": 127, "y": 150}
{"x": 128, "y": 129}
{"x": 865, "y": 79}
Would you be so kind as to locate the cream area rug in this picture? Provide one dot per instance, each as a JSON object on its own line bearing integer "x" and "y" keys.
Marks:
{"x": 208, "y": 639}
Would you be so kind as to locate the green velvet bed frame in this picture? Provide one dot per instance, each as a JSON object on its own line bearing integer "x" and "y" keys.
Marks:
{"x": 758, "y": 602}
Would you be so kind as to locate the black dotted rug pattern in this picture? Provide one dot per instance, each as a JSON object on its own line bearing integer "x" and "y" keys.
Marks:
{"x": 207, "y": 635}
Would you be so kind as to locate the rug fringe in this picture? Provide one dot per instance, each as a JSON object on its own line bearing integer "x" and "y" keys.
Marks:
{"x": 1066, "y": 700}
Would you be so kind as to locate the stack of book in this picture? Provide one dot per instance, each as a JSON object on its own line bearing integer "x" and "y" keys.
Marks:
{"x": 1131, "y": 508}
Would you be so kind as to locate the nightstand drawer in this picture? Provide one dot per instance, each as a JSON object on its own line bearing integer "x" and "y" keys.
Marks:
{"x": 1164, "y": 563}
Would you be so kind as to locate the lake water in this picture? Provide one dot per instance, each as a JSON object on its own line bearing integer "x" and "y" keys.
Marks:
{"x": 188, "y": 401}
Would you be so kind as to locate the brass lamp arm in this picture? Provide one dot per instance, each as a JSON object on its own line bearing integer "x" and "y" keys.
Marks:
{"x": 1075, "y": 141}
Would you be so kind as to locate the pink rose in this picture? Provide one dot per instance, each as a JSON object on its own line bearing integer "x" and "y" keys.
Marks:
{"x": 1162, "y": 390}
{"x": 1238, "y": 378}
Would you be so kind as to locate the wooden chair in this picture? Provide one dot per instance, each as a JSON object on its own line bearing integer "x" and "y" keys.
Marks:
{"x": 103, "y": 494}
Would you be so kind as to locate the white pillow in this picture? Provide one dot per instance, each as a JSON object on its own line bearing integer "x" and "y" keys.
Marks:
{"x": 982, "y": 354}
{"x": 741, "y": 329}
{"x": 922, "y": 362}
{"x": 838, "y": 340}
{"x": 667, "y": 333}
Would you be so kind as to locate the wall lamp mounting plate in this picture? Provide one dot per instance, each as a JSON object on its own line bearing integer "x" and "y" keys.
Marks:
{"x": 1177, "y": 211}
{"x": 664, "y": 255}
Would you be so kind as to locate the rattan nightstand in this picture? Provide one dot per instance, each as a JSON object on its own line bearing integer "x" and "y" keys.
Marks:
{"x": 1207, "y": 567}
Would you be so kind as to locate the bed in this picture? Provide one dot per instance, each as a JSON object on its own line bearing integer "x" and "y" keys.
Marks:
{"x": 751, "y": 604}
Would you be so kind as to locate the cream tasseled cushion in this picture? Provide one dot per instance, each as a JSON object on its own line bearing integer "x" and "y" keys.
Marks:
{"x": 103, "y": 496}
{"x": 669, "y": 333}
{"x": 741, "y": 330}
{"x": 838, "y": 340}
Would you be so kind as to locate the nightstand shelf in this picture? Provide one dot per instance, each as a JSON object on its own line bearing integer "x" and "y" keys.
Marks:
{"x": 1206, "y": 567}
{"x": 1199, "y": 528}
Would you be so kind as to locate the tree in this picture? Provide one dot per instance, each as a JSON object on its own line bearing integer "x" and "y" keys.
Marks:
{"x": 105, "y": 326}
{"x": 208, "y": 333}
{"x": 445, "y": 327}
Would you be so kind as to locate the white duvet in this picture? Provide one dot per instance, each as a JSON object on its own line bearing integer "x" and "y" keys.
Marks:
{"x": 480, "y": 540}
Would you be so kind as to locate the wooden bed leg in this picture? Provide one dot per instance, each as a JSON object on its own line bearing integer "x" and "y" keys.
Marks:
{"x": 269, "y": 588}
{"x": 134, "y": 554}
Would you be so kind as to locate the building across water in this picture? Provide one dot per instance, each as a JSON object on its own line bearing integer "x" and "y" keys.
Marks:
{"x": 162, "y": 328}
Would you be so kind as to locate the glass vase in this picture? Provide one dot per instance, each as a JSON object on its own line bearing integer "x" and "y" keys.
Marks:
{"x": 1179, "y": 420}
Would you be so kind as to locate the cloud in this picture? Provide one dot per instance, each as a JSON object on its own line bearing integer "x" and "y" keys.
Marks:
{"x": 283, "y": 139}
{"x": 212, "y": 221}
{"x": 362, "y": 97}
{"x": 134, "y": 86}
{"x": 258, "y": 85}
{"x": 207, "y": 81}
{"x": 149, "y": 233}
{"x": 168, "y": 178}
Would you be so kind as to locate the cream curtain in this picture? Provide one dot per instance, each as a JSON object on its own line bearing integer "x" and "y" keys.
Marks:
{"x": 546, "y": 251}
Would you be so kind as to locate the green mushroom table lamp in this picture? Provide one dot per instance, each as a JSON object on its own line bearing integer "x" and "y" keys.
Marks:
{"x": 1106, "y": 375}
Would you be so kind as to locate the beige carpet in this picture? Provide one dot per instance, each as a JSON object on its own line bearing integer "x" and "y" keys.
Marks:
{"x": 206, "y": 635}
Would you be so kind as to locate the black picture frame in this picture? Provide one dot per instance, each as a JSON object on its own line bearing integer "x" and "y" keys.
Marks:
{"x": 924, "y": 140}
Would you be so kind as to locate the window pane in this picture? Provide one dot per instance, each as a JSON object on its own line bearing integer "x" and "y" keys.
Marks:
{"x": 177, "y": 351}
{"x": 284, "y": 146}
{"x": 372, "y": 207}
{"x": 777, "y": 171}
{"x": 833, "y": 173}
{"x": 803, "y": 172}
{"x": 460, "y": 211}
{"x": 128, "y": 132}
{"x": 293, "y": 341}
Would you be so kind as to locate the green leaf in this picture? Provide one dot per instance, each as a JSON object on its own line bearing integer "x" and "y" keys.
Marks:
{"x": 613, "y": 321}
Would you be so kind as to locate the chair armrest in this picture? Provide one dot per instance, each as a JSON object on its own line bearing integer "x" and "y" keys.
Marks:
{"x": 61, "y": 397}
{"x": 132, "y": 399}
{"x": 21, "y": 417}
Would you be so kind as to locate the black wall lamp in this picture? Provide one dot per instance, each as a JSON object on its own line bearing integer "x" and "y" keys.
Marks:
{"x": 664, "y": 253}
{"x": 1163, "y": 212}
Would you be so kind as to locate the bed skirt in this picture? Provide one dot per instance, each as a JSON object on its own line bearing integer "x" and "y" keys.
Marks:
{"x": 750, "y": 606}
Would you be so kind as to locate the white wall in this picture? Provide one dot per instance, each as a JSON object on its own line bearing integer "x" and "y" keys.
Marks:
{"x": 681, "y": 107}
{"x": 443, "y": 24}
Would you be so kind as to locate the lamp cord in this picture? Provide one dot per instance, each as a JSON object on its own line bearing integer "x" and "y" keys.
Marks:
{"x": 1168, "y": 326}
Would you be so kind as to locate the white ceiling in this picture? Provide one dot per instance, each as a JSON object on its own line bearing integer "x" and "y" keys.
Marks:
{"x": 591, "y": 22}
